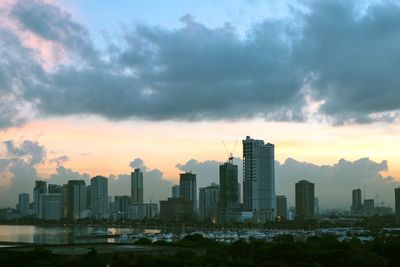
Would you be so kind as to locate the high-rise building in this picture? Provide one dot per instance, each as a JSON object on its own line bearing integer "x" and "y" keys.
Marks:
{"x": 187, "y": 188}
{"x": 208, "y": 202}
{"x": 121, "y": 206}
{"x": 51, "y": 207}
{"x": 369, "y": 207}
{"x": 176, "y": 209}
{"x": 281, "y": 207}
{"x": 175, "y": 191}
{"x": 316, "y": 206}
{"x": 229, "y": 191}
{"x": 40, "y": 188}
{"x": 76, "y": 199}
{"x": 356, "y": 207}
{"x": 304, "y": 200}
{"x": 54, "y": 189}
{"x": 142, "y": 211}
{"x": 259, "y": 179}
{"x": 23, "y": 204}
{"x": 99, "y": 197}
{"x": 397, "y": 205}
{"x": 137, "y": 187}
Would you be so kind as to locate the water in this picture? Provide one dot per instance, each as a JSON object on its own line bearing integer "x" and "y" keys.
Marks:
{"x": 56, "y": 234}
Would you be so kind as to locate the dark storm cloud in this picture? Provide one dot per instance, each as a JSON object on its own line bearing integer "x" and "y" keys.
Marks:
{"x": 334, "y": 52}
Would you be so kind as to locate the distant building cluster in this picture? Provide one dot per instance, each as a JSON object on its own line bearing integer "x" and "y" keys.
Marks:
{"x": 220, "y": 203}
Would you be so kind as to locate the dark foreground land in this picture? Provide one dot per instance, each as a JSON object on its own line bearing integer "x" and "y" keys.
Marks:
{"x": 196, "y": 251}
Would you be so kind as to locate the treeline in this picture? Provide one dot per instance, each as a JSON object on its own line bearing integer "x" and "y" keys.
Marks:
{"x": 195, "y": 251}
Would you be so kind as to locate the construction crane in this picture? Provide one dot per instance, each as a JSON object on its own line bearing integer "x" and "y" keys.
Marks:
{"x": 230, "y": 154}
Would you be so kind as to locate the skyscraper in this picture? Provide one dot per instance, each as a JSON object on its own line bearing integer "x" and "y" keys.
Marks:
{"x": 76, "y": 199}
{"x": 259, "y": 178}
{"x": 356, "y": 207}
{"x": 208, "y": 202}
{"x": 54, "y": 189}
{"x": 40, "y": 188}
{"x": 137, "y": 187}
{"x": 229, "y": 192}
{"x": 187, "y": 188}
{"x": 281, "y": 207}
{"x": 51, "y": 207}
{"x": 23, "y": 204}
{"x": 175, "y": 191}
{"x": 305, "y": 200}
{"x": 99, "y": 197}
{"x": 369, "y": 207}
{"x": 397, "y": 204}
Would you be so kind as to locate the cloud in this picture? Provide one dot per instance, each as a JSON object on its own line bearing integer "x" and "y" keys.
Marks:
{"x": 59, "y": 160}
{"x": 331, "y": 55}
{"x": 34, "y": 152}
{"x": 137, "y": 163}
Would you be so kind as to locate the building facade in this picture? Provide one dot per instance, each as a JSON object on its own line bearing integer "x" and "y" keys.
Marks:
{"x": 39, "y": 189}
{"x": 305, "y": 197}
{"x": 281, "y": 208}
{"x": 99, "y": 197}
{"x": 176, "y": 209}
{"x": 76, "y": 200}
{"x": 259, "y": 179}
{"x": 23, "y": 204}
{"x": 142, "y": 211}
{"x": 208, "y": 203}
{"x": 52, "y": 207}
{"x": 356, "y": 207}
{"x": 175, "y": 191}
{"x": 137, "y": 187}
{"x": 369, "y": 207}
{"x": 188, "y": 189}
{"x": 229, "y": 192}
{"x": 121, "y": 206}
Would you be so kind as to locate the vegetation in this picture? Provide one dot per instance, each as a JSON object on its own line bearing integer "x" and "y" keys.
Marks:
{"x": 197, "y": 251}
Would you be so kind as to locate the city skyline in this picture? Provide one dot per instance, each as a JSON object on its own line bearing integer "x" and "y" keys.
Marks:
{"x": 83, "y": 92}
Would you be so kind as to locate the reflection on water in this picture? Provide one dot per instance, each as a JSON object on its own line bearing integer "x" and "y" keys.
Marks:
{"x": 55, "y": 234}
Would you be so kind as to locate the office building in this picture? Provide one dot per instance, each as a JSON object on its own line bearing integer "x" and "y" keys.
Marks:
{"x": 23, "y": 204}
{"x": 54, "y": 189}
{"x": 397, "y": 205}
{"x": 121, "y": 206}
{"x": 175, "y": 191}
{"x": 137, "y": 187}
{"x": 142, "y": 211}
{"x": 99, "y": 197}
{"x": 76, "y": 200}
{"x": 229, "y": 191}
{"x": 208, "y": 203}
{"x": 305, "y": 198}
{"x": 176, "y": 209}
{"x": 51, "y": 207}
{"x": 316, "y": 206}
{"x": 356, "y": 207}
{"x": 39, "y": 189}
{"x": 281, "y": 208}
{"x": 259, "y": 179}
{"x": 188, "y": 189}
{"x": 369, "y": 207}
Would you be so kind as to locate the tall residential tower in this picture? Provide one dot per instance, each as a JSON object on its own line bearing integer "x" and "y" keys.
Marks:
{"x": 137, "y": 187}
{"x": 259, "y": 179}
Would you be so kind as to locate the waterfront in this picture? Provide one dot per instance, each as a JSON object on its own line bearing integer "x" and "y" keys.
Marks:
{"x": 58, "y": 234}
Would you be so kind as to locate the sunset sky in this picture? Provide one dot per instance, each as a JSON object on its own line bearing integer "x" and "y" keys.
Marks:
{"x": 90, "y": 86}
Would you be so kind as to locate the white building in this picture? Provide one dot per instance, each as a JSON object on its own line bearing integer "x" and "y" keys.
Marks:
{"x": 99, "y": 197}
{"x": 259, "y": 179}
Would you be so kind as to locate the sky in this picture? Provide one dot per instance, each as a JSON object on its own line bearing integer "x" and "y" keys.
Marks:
{"x": 100, "y": 87}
